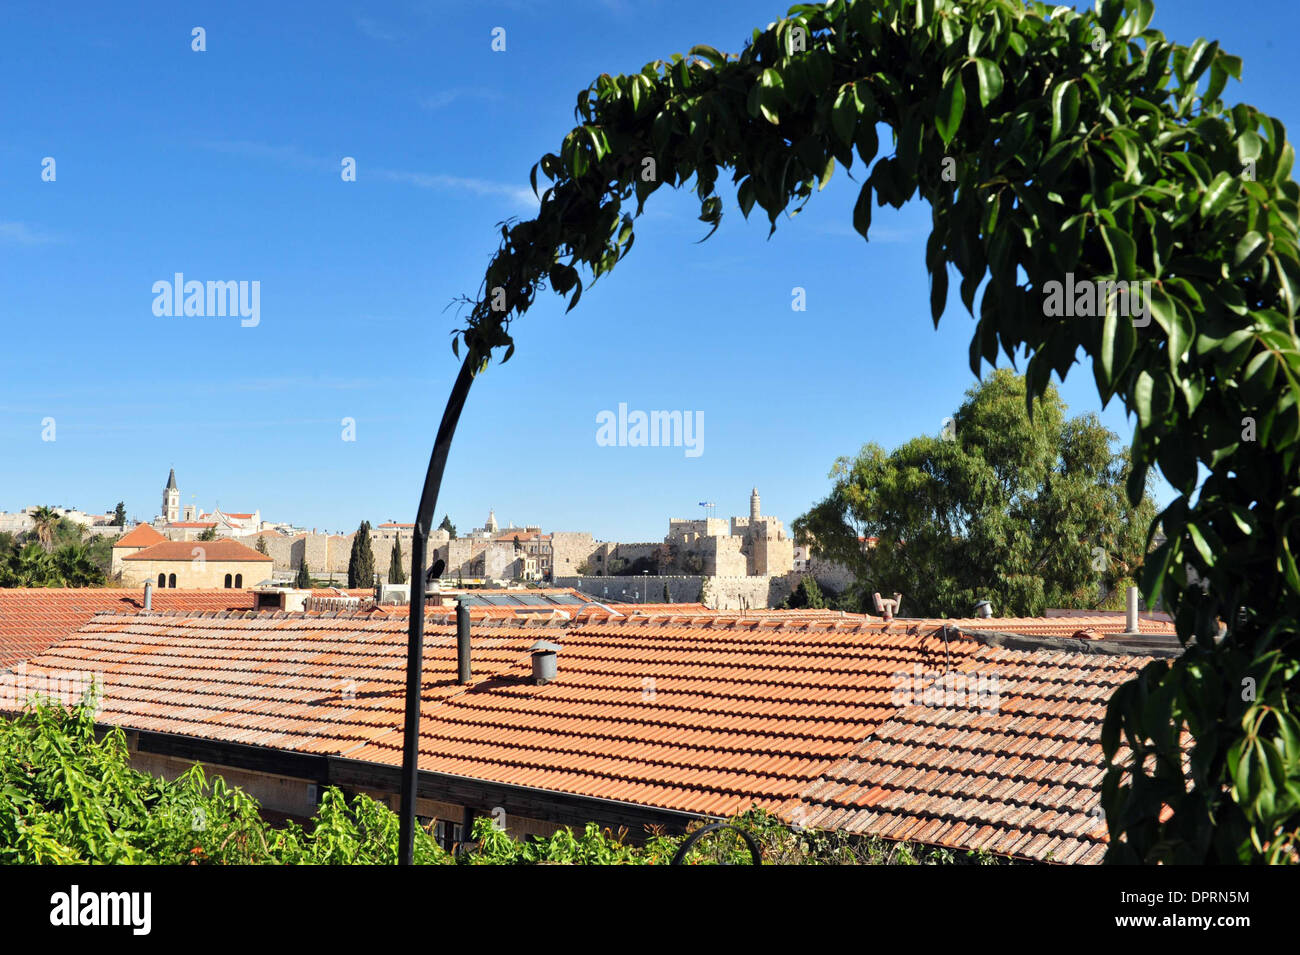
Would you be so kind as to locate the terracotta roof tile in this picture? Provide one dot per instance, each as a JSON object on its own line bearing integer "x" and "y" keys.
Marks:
{"x": 700, "y": 712}
{"x": 32, "y": 618}
{"x": 142, "y": 535}
{"x": 223, "y": 549}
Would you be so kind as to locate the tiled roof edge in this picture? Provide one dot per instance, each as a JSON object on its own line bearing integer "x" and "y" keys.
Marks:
{"x": 1147, "y": 645}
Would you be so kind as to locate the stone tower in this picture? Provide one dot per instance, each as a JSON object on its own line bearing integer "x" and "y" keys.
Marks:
{"x": 491, "y": 525}
{"x": 753, "y": 505}
{"x": 171, "y": 509}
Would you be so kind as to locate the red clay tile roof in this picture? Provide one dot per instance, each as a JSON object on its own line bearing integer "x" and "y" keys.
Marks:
{"x": 32, "y": 618}
{"x": 1109, "y": 624}
{"x": 1021, "y": 780}
{"x": 193, "y": 524}
{"x": 223, "y": 549}
{"x": 659, "y": 608}
{"x": 142, "y": 535}
{"x": 703, "y": 713}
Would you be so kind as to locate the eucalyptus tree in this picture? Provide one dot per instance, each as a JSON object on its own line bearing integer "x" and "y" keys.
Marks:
{"x": 1027, "y": 512}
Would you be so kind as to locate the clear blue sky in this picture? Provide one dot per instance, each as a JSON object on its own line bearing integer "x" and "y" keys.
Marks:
{"x": 225, "y": 165}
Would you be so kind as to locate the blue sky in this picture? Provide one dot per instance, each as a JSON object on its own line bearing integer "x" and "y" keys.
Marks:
{"x": 225, "y": 165}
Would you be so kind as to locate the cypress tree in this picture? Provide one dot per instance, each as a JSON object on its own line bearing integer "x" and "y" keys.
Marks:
{"x": 396, "y": 574}
{"x": 303, "y": 581}
{"x": 361, "y": 562}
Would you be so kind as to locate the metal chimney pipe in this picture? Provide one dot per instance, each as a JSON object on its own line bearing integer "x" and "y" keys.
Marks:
{"x": 148, "y": 595}
{"x": 463, "y": 674}
{"x": 1131, "y": 611}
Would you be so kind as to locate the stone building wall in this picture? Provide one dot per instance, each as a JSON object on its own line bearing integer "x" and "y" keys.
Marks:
{"x": 570, "y": 550}
{"x": 742, "y": 592}
{"x": 723, "y": 556}
{"x": 196, "y": 574}
{"x": 329, "y": 553}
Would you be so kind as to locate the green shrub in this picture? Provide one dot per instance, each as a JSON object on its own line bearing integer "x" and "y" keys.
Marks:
{"x": 69, "y": 796}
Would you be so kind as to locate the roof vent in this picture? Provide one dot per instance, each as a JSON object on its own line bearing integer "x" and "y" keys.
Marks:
{"x": 288, "y": 599}
{"x": 888, "y": 607}
{"x": 396, "y": 594}
{"x": 984, "y": 609}
{"x": 544, "y": 661}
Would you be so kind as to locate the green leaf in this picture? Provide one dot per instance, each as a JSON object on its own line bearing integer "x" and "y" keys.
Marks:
{"x": 1143, "y": 390}
{"x": 745, "y": 196}
{"x": 828, "y": 170}
{"x": 1123, "y": 251}
{"x": 708, "y": 53}
{"x": 1199, "y": 542}
{"x": 1065, "y": 108}
{"x": 862, "y": 210}
{"x": 1249, "y": 146}
{"x": 990, "y": 78}
{"x": 952, "y": 101}
{"x": 1250, "y": 249}
{"x": 771, "y": 95}
{"x": 1220, "y": 192}
{"x": 563, "y": 277}
{"x": 1198, "y": 58}
{"x": 1118, "y": 342}
{"x": 844, "y": 115}
{"x": 938, "y": 291}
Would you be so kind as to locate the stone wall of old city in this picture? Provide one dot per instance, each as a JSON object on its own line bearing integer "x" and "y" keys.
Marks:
{"x": 570, "y": 550}
{"x": 328, "y": 554}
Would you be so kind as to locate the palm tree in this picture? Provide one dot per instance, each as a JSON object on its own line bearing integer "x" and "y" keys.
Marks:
{"x": 73, "y": 563}
{"x": 34, "y": 567}
{"x": 44, "y": 521}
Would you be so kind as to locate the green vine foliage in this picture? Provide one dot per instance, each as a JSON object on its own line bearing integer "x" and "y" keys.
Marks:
{"x": 1048, "y": 143}
{"x": 69, "y": 796}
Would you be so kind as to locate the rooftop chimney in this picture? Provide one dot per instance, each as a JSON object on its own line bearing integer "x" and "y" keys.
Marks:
{"x": 544, "y": 661}
{"x": 1131, "y": 612}
{"x": 148, "y": 595}
{"x": 463, "y": 674}
{"x": 984, "y": 609}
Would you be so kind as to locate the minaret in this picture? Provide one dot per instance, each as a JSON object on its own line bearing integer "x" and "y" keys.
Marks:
{"x": 753, "y": 505}
{"x": 171, "y": 510}
{"x": 491, "y": 525}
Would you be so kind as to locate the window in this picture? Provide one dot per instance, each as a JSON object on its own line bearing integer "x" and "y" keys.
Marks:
{"x": 228, "y": 580}
{"x": 239, "y": 580}
{"x": 171, "y": 581}
{"x": 162, "y": 580}
{"x": 447, "y": 834}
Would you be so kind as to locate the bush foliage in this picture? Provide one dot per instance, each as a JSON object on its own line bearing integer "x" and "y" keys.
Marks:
{"x": 69, "y": 796}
